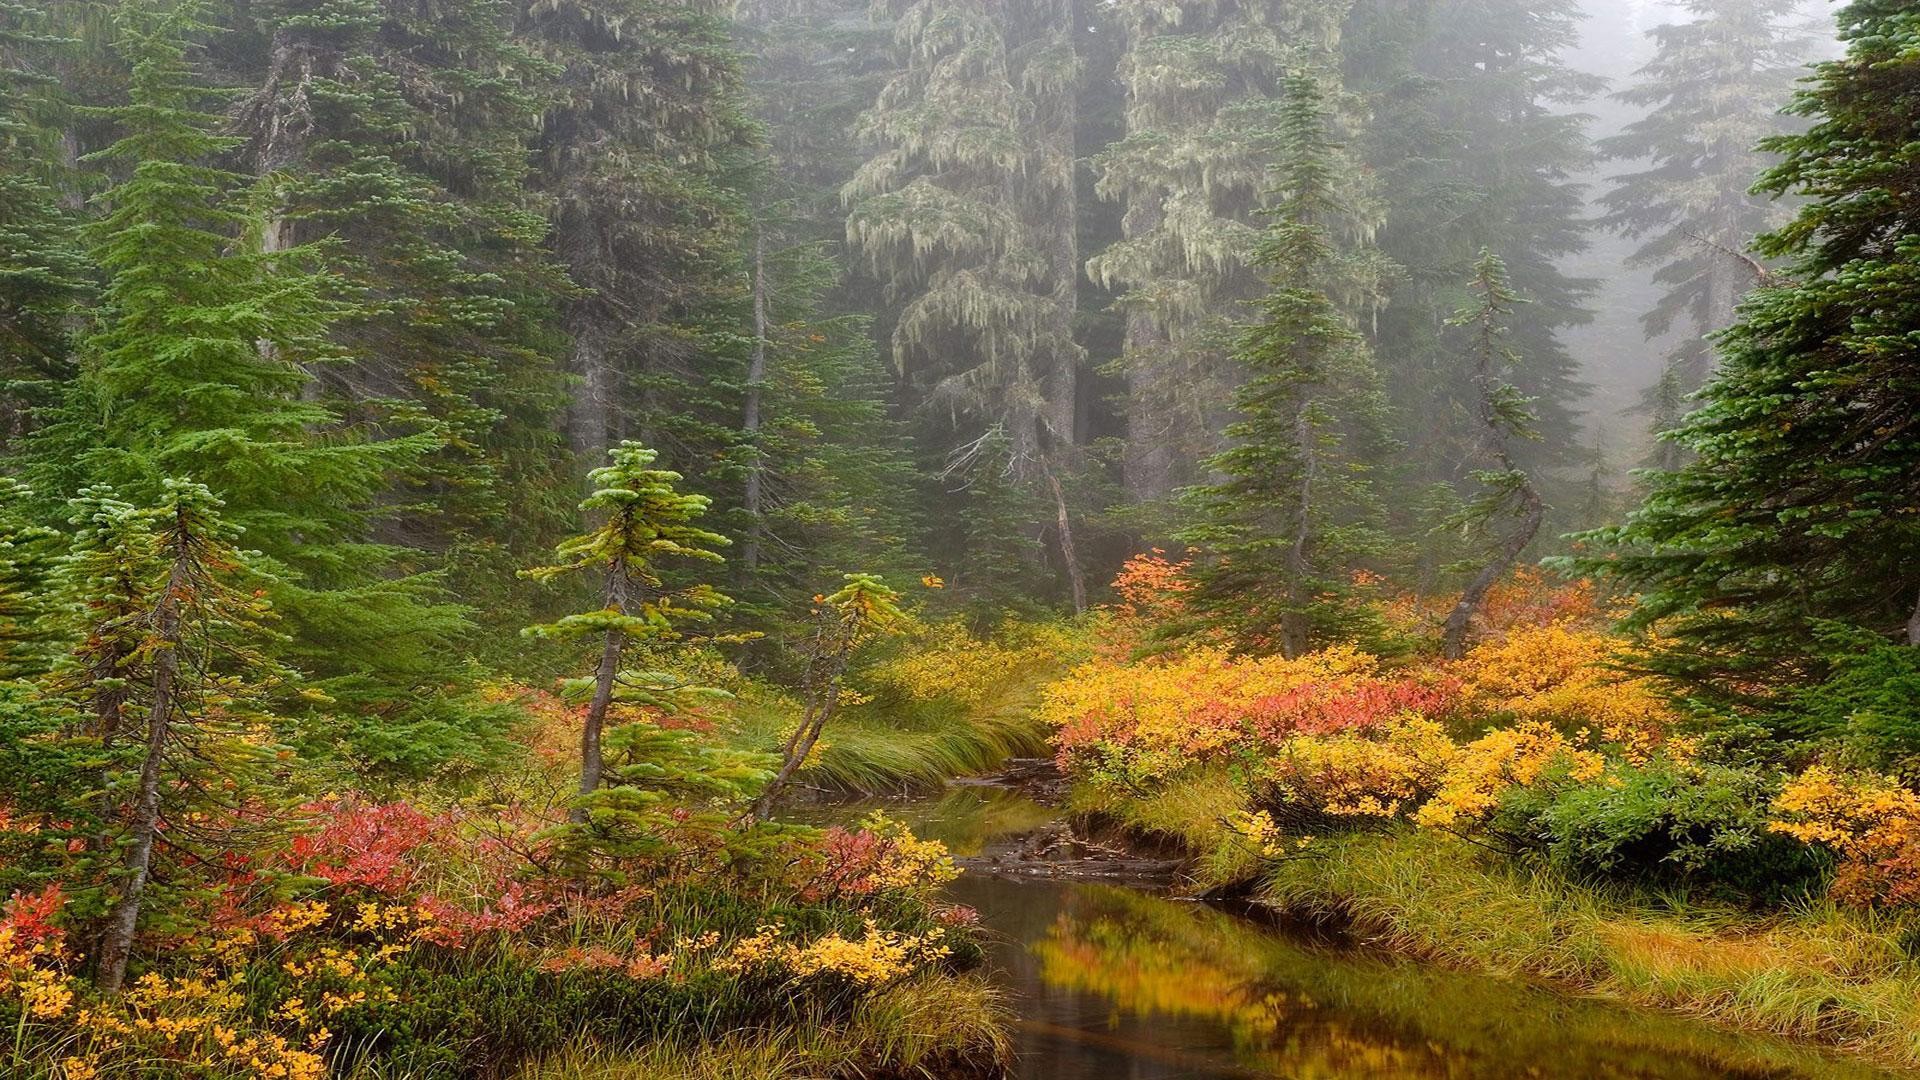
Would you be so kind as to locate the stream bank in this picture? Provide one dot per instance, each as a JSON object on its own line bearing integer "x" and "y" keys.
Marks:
{"x": 1110, "y": 975}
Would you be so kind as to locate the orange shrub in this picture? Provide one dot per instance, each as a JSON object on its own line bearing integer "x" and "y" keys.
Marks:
{"x": 1871, "y": 821}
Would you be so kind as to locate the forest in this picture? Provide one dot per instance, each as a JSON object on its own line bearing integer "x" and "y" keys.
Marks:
{"x": 566, "y": 539}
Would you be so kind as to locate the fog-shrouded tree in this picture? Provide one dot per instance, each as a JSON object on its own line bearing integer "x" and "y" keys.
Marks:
{"x": 1797, "y": 507}
{"x": 399, "y": 134}
{"x": 1296, "y": 508}
{"x": 1202, "y": 90}
{"x": 967, "y": 209}
{"x": 642, "y": 149}
{"x": 1715, "y": 88}
{"x": 42, "y": 267}
{"x": 1474, "y": 141}
{"x": 198, "y": 362}
{"x": 1508, "y": 505}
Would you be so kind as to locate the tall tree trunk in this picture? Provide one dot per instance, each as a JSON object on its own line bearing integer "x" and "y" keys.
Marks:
{"x": 756, "y": 382}
{"x": 612, "y": 650}
{"x": 1293, "y": 621}
{"x": 1062, "y": 385}
{"x": 1913, "y": 625}
{"x": 116, "y": 942}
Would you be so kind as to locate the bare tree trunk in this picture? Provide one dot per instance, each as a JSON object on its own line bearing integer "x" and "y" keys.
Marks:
{"x": 612, "y": 649}
{"x": 756, "y": 382}
{"x": 1453, "y": 642}
{"x": 1293, "y": 621}
{"x": 116, "y": 942}
{"x": 1913, "y": 625}
{"x": 590, "y": 417}
{"x": 1076, "y": 577}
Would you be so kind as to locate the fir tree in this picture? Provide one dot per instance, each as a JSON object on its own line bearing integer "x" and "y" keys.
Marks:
{"x": 201, "y": 363}
{"x": 1799, "y": 506}
{"x": 42, "y": 270}
{"x": 647, "y": 524}
{"x": 1714, "y": 88}
{"x": 1296, "y": 511}
{"x": 1508, "y": 503}
{"x": 400, "y": 134}
{"x": 642, "y": 152}
{"x": 201, "y": 681}
{"x": 1202, "y": 89}
{"x": 968, "y": 210}
{"x": 1474, "y": 144}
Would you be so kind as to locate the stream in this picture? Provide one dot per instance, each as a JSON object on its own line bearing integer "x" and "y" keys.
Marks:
{"x": 1119, "y": 981}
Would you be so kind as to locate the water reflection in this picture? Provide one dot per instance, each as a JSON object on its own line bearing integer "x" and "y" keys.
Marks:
{"x": 1112, "y": 983}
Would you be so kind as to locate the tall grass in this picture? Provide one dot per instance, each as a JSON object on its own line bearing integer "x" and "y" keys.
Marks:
{"x": 1189, "y": 813}
{"x": 922, "y": 1029}
{"x": 871, "y": 749}
{"x": 1816, "y": 972}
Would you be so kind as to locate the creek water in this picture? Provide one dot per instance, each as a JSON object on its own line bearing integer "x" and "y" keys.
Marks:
{"x": 1118, "y": 982}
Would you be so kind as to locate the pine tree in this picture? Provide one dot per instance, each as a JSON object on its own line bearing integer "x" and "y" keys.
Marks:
{"x": 643, "y": 151}
{"x": 1508, "y": 503}
{"x": 200, "y": 363}
{"x": 1474, "y": 145}
{"x": 400, "y": 133}
{"x": 1296, "y": 511}
{"x": 1714, "y": 90}
{"x": 647, "y": 525}
{"x": 1799, "y": 506}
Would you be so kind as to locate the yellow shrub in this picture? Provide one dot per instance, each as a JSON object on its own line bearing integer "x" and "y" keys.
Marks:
{"x": 1560, "y": 673}
{"x": 1350, "y": 774}
{"x": 945, "y": 661}
{"x": 1487, "y": 767}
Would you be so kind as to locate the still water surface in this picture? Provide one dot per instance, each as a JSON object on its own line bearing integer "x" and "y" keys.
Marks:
{"x": 1116, "y": 983}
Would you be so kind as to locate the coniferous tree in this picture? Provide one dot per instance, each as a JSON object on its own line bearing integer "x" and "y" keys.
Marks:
{"x": 642, "y": 151}
{"x": 1474, "y": 146}
{"x": 202, "y": 683}
{"x": 968, "y": 210}
{"x": 1296, "y": 510}
{"x": 1508, "y": 504}
{"x": 400, "y": 133}
{"x": 647, "y": 523}
{"x": 1714, "y": 88}
{"x": 1202, "y": 91}
{"x": 1798, "y": 507}
{"x": 198, "y": 364}
{"x": 42, "y": 270}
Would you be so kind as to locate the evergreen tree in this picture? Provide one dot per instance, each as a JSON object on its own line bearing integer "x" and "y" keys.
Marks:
{"x": 643, "y": 150}
{"x": 647, "y": 524}
{"x": 1472, "y": 142}
{"x": 1508, "y": 503}
{"x": 968, "y": 210}
{"x": 400, "y": 133}
{"x": 1714, "y": 90}
{"x": 1799, "y": 506}
{"x": 41, "y": 267}
{"x": 1296, "y": 510}
{"x": 199, "y": 364}
{"x": 202, "y": 683}
{"x": 1202, "y": 91}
